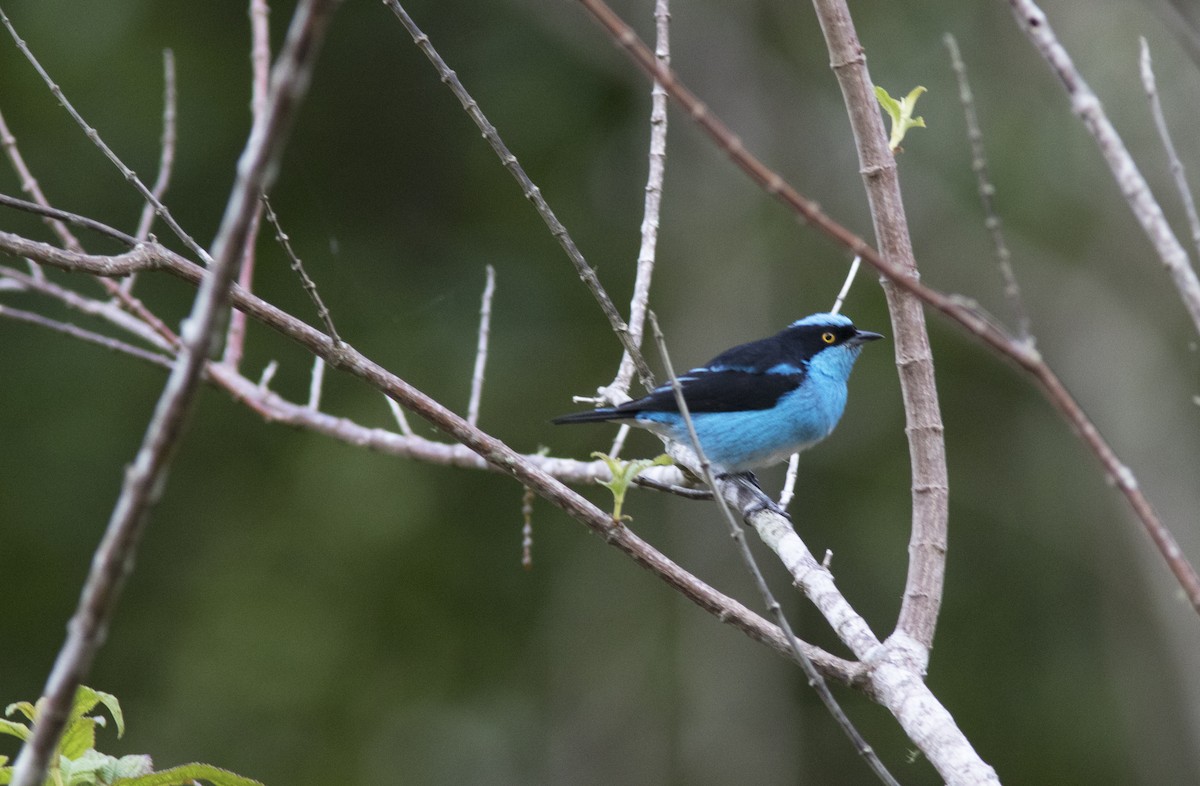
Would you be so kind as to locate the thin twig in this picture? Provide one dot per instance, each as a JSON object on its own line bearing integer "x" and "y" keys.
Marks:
{"x": 1134, "y": 188}
{"x": 477, "y": 449}
{"x": 401, "y": 418}
{"x": 91, "y": 337}
{"x": 987, "y": 194}
{"x": 64, "y": 217}
{"x": 91, "y": 134}
{"x": 789, "y": 481}
{"x": 315, "y": 382}
{"x": 145, "y": 478}
{"x": 527, "y": 497}
{"x": 481, "y": 348}
{"x": 260, "y": 69}
{"x": 166, "y": 154}
{"x": 309, "y": 285}
{"x": 618, "y": 390}
{"x": 131, "y": 303}
{"x": 849, "y": 282}
{"x": 1164, "y": 133}
{"x": 739, "y": 537}
{"x": 30, "y": 186}
{"x": 585, "y": 271}
{"x": 104, "y": 309}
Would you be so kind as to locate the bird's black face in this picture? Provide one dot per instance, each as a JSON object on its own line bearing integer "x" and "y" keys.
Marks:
{"x": 811, "y": 339}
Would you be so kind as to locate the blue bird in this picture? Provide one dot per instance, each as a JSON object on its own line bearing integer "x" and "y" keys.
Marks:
{"x": 758, "y": 403}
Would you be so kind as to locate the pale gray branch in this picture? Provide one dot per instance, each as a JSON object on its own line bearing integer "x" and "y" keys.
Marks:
{"x": 1160, "y": 122}
{"x": 1134, "y": 187}
{"x": 146, "y": 477}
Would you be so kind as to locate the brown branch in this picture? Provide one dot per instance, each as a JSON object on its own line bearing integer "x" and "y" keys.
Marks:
{"x": 1026, "y": 358}
{"x": 146, "y": 477}
{"x": 586, "y": 272}
{"x": 260, "y": 68}
{"x": 478, "y": 450}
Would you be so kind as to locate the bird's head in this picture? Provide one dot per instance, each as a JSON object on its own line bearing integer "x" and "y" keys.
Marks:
{"x": 828, "y": 342}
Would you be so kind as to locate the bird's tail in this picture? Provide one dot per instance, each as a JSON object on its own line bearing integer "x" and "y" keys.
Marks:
{"x": 595, "y": 416}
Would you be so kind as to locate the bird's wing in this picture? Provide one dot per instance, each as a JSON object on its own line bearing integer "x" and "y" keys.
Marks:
{"x": 721, "y": 390}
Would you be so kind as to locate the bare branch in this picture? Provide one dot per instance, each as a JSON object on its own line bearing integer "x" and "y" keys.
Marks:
{"x": 63, "y": 216}
{"x": 1026, "y": 358}
{"x": 166, "y": 155}
{"x": 1164, "y": 133}
{"x": 481, "y": 349}
{"x": 914, "y": 358}
{"x": 309, "y": 285}
{"x": 401, "y": 418}
{"x": 88, "y": 336}
{"x": 316, "y": 380}
{"x": 104, "y": 309}
{"x": 987, "y": 193}
{"x": 91, "y": 133}
{"x": 739, "y": 537}
{"x": 1134, "y": 188}
{"x": 546, "y": 475}
{"x": 618, "y": 390}
{"x": 146, "y": 477}
{"x": 260, "y": 67}
{"x": 585, "y": 271}
{"x": 29, "y": 185}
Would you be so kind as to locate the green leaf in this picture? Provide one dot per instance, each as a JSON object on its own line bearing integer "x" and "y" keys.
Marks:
{"x": 186, "y": 773}
{"x": 623, "y": 473}
{"x": 18, "y": 730}
{"x": 23, "y": 707}
{"x": 79, "y": 738}
{"x": 901, "y": 113}
{"x": 114, "y": 708}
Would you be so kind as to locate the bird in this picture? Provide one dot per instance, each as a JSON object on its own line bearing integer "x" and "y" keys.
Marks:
{"x": 758, "y": 403}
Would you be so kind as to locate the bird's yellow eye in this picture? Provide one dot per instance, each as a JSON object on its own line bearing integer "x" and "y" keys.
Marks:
{"x": 828, "y": 337}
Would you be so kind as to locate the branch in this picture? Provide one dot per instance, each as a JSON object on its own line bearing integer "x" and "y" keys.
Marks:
{"x": 477, "y": 450}
{"x": 585, "y": 271}
{"x": 1125, "y": 171}
{"x": 1026, "y": 358}
{"x": 987, "y": 193}
{"x": 166, "y": 158}
{"x": 760, "y": 582}
{"x": 481, "y": 348}
{"x": 146, "y": 477}
{"x": 618, "y": 390}
{"x": 914, "y": 358}
{"x": 1160, "y": 122}
{"x": 260, "y": 68}
{"x": 91, "y": 134}
{"x": 29, "y": 185}
{"x": 88, "y": 336}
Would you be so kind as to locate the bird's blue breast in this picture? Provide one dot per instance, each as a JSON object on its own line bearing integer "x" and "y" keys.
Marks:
{"x": 741, "y": 440}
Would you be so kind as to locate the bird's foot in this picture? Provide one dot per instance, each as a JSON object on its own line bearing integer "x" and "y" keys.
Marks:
{"x": 760, "y": 500}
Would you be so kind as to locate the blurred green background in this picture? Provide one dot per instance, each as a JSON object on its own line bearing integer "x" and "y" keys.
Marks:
{"x": 304, "y": 612}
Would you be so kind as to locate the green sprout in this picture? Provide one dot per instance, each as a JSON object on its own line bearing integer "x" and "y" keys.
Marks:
{"x": 623, "y": 473}
{"x": 901, "y": 113}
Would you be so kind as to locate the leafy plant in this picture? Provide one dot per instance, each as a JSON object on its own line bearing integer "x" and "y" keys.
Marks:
{"x": 77, "y": 762}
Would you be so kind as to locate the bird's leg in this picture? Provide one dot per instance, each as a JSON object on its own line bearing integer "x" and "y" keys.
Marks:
{"x": 761, "y": 500}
